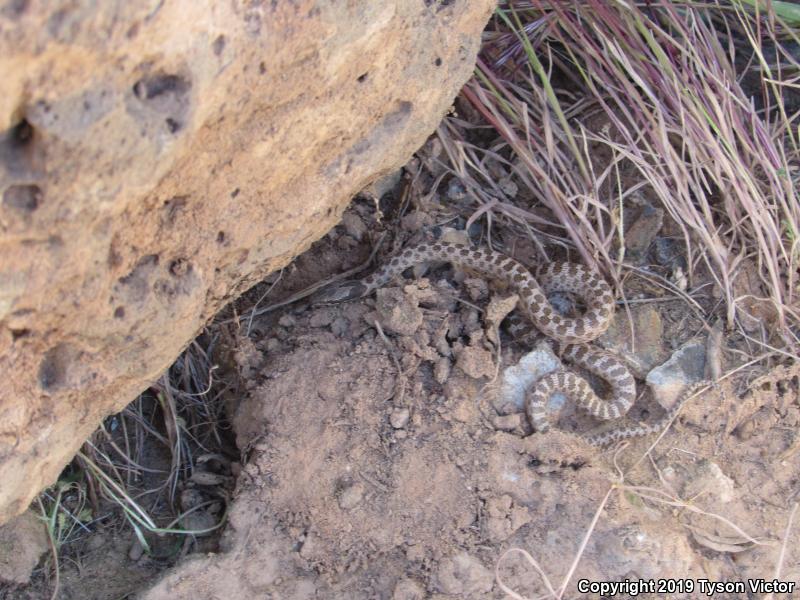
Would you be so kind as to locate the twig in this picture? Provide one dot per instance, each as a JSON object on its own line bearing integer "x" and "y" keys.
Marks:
{"x": 782, "y": 555}
{"x": 402, "y": 380}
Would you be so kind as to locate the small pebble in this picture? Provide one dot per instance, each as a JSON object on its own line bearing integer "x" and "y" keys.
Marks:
{"x": 441, "y": 371}
{"x": 273, "y": 344}
{"x": 136, "y": 550}
{"x": 399, "y": 418}
{"x": 346, "y": 243}
{"x": 351, "y": 496}
{"x": 286, "y": 321}
{"x": 95, "y": 542}
{"x": 200, "y": 522}
{"x": 310, "y": 546}
{"x": 398, "y": 312}
{"x": 191, "y": 497}
{"x": 321, "y": 318}
{"x": 455, "y": 190}
{"x": 414, "y": 221}
{"x": 454, "y": 236}
{"x": 354, "y": 225}
{"x": 407, "y": 589}
{"x": 745, "y": 431}
{"x": 508, "y": 186}
{"x": 476, "y": 362}
{"x": 477, "y": 288}
{"x": 508, "y": 422}
{"x": 340, "y": 326}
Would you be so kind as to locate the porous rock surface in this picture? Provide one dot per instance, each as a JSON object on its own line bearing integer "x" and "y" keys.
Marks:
{"x": 158, "y": 158}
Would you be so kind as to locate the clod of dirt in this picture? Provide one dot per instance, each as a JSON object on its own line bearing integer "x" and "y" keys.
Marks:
{"x": 476, "y": 362}
{"x": 398, "y": 312}
{"x": 555, "y": 451}
{"x": 322, "y": 318}
{"x": 23, "y": 540}
{"x": 700, "y": 478}
{"x": 477, "y": 288}
{"x": 354, "y": 225}
{"x": 441, "y": 370}
{"x": 415, "y": 221}
{"x": 455, "y": 236}
{"x": 351, "y": 496}
{"x": 287, "y": 321}
{"x": 463, "y": 575}
{"x": 499, "y": 308}
{"x": 399, "y": 417}
{"x": 408, "y": 589}
{"x": 516, "y": 423}
{"x": 504, "y": 517}
{"x": 643, "y": 548}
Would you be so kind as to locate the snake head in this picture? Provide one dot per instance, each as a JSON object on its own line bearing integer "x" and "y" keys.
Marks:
{"x": 347, "y": 290}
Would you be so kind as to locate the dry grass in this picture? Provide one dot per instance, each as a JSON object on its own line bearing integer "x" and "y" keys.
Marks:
{"x": 133, "y": 469}
{"x": 695, "y": 101}
{"x": 666, "y": 80}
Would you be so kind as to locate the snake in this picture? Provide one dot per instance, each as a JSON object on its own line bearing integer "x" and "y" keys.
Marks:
{"x": 572, "y": 334}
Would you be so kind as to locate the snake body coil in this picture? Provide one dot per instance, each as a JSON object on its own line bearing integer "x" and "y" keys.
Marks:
{"x": 572, "y": 333}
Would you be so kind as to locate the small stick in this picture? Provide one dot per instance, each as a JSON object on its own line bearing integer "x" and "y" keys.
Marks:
{"x": 782, "y": 555}
{"x": 401, "y": 376}
{"x": 714, "y": 351}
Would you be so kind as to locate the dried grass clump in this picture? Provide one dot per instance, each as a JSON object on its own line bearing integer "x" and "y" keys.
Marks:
{"x": 668, "y": 78}
{"x": 134, "y": 468}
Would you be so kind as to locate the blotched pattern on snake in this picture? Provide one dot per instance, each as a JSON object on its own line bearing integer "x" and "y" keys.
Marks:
{"x": 571, "y": 333}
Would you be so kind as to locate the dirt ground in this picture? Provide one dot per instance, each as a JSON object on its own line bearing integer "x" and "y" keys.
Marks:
{"x": 376, "y": 464}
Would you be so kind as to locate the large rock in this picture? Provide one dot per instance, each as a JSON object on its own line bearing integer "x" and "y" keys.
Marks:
{"x": 157, "y": 158}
